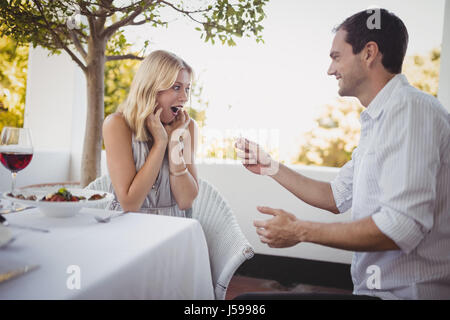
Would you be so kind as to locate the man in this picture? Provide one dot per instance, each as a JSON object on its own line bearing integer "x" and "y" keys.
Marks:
{"x": 397, "y": 183}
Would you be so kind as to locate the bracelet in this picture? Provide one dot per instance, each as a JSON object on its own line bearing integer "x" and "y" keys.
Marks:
{"x": 176, "y": 174}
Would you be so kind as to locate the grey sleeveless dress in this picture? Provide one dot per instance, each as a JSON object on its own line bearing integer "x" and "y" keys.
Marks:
{"x": 159, "y": 200}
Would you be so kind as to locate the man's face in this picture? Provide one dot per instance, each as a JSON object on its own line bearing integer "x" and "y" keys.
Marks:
{"x": 346, "y": 66}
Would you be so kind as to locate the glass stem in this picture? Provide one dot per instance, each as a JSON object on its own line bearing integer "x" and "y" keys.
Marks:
{"x": 13, "y": 182}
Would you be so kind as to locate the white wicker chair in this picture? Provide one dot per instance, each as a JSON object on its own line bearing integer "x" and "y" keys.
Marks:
{"x": 100, "y": 184}
{"x": 227, "y": 245}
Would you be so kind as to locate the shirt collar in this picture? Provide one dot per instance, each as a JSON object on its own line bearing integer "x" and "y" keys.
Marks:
{"x": 379, "y": 102}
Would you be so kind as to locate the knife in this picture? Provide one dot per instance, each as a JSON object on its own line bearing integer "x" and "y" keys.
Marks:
{"x": 17, "y": 272}
{"x": 6, "y": 211}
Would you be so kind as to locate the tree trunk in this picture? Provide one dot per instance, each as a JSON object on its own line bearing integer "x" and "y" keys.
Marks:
{"x": 92, "y": 147}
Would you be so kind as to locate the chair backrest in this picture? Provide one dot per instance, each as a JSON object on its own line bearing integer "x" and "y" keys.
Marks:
{"x": 101, "y": 184}
{"x": 228, "y": 247}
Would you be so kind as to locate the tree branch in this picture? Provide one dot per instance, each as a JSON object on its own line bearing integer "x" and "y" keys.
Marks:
{"x": 80, "y": 33}
{"x": 90, "y": 18}
{"x": 109, "y": 31}
{"x": 107, "y": 9}
{"x": 78, "y": 44}
{"x": 58, "y": 39}
{"x": 85, "y": 11}
{"x": 145, "y": 21}
{"x": 100, "y": 23}
{"x": 122, "y": 57}
{"x": 181, "y": 10}
{"x": 104, "y": 12}
{"x": 187, "y": 13}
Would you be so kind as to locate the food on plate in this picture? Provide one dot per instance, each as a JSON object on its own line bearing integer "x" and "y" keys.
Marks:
{"x": 97, "y": 196}
{"x": 63, "y": 195}
{"x": 22, "y": 197}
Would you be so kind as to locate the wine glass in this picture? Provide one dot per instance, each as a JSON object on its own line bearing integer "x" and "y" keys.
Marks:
{"x": 16, "y": 151}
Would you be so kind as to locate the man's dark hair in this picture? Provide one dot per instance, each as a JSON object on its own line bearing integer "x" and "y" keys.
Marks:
{"x": 391, "y": 37}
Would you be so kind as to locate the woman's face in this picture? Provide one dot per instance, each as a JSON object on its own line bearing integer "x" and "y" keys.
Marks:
{"x": 173, "y": 99}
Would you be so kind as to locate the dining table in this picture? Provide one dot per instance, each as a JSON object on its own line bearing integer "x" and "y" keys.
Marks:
{"x": 133, "y": 256}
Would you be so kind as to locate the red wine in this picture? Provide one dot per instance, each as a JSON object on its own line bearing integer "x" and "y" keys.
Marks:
{"x": 15, "y": 161}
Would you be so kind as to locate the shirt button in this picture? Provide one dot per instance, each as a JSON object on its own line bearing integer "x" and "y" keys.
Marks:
{"x": 153, "y": 187}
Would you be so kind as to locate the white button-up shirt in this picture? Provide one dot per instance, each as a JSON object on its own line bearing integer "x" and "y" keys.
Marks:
{"x": 400, "y": 176}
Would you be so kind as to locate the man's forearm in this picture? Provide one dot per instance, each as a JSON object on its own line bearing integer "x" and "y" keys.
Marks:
{"x": 313, "y": 192}
{"x": 360, "y": 235}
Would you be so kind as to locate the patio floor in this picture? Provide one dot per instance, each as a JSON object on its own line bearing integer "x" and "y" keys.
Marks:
{"x": 240, "y": 284}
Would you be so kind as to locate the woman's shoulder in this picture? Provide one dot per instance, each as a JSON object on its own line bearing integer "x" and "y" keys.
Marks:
{"x": 116, "y": 116}
{"x": 115, "y": 119}
{"x": 115, "y": 122}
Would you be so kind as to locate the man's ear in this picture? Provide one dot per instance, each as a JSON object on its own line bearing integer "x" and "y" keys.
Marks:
{"x": 371, "y": 53}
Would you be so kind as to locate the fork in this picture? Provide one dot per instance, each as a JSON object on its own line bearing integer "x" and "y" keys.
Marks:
{"x": 108, "y": 218}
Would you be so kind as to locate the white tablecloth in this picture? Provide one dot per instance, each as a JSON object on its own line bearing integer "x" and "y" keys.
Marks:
{"x": 135, "y": 256}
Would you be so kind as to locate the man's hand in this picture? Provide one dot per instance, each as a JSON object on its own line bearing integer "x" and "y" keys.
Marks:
{"x": 255, "y": 159}
{"x": 285, "y": 230}
{"x": 282, "y": 231}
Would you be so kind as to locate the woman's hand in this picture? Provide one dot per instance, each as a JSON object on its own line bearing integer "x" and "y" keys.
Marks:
{"x": 178, "y": 128}
{"x": 156, "y": 128}
{"x": 255, "y": 159}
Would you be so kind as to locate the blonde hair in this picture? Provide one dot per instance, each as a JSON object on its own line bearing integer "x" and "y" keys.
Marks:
{"x": 157, "y": 72}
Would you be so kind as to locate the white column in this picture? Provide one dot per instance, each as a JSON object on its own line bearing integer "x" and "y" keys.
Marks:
{"x": 444, "y": 77}
{"x": 55, "y": 107}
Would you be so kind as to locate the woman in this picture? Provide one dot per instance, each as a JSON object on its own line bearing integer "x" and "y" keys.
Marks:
{"x": 150, "y": 140}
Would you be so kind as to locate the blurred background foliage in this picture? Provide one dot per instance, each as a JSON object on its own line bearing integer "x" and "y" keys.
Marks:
{"x": 330, "y": 143}
{"x": 423, "y": 71}
{"x": 334, "y": 136}
{"x": 118, "y": 77}
{"x": 13, "y": 78}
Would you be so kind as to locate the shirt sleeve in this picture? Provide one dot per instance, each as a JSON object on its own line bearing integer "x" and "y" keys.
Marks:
{"x": 408, "y": 151}
{"x": 342, "y": 186}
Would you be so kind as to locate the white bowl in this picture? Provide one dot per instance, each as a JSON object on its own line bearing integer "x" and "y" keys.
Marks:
{"x": 60, "y": 209}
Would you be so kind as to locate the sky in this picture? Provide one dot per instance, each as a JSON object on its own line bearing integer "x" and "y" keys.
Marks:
{"x": 280, "y": 86}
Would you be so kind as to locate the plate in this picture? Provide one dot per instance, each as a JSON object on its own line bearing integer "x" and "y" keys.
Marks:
{"x": 60, "y": 209}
